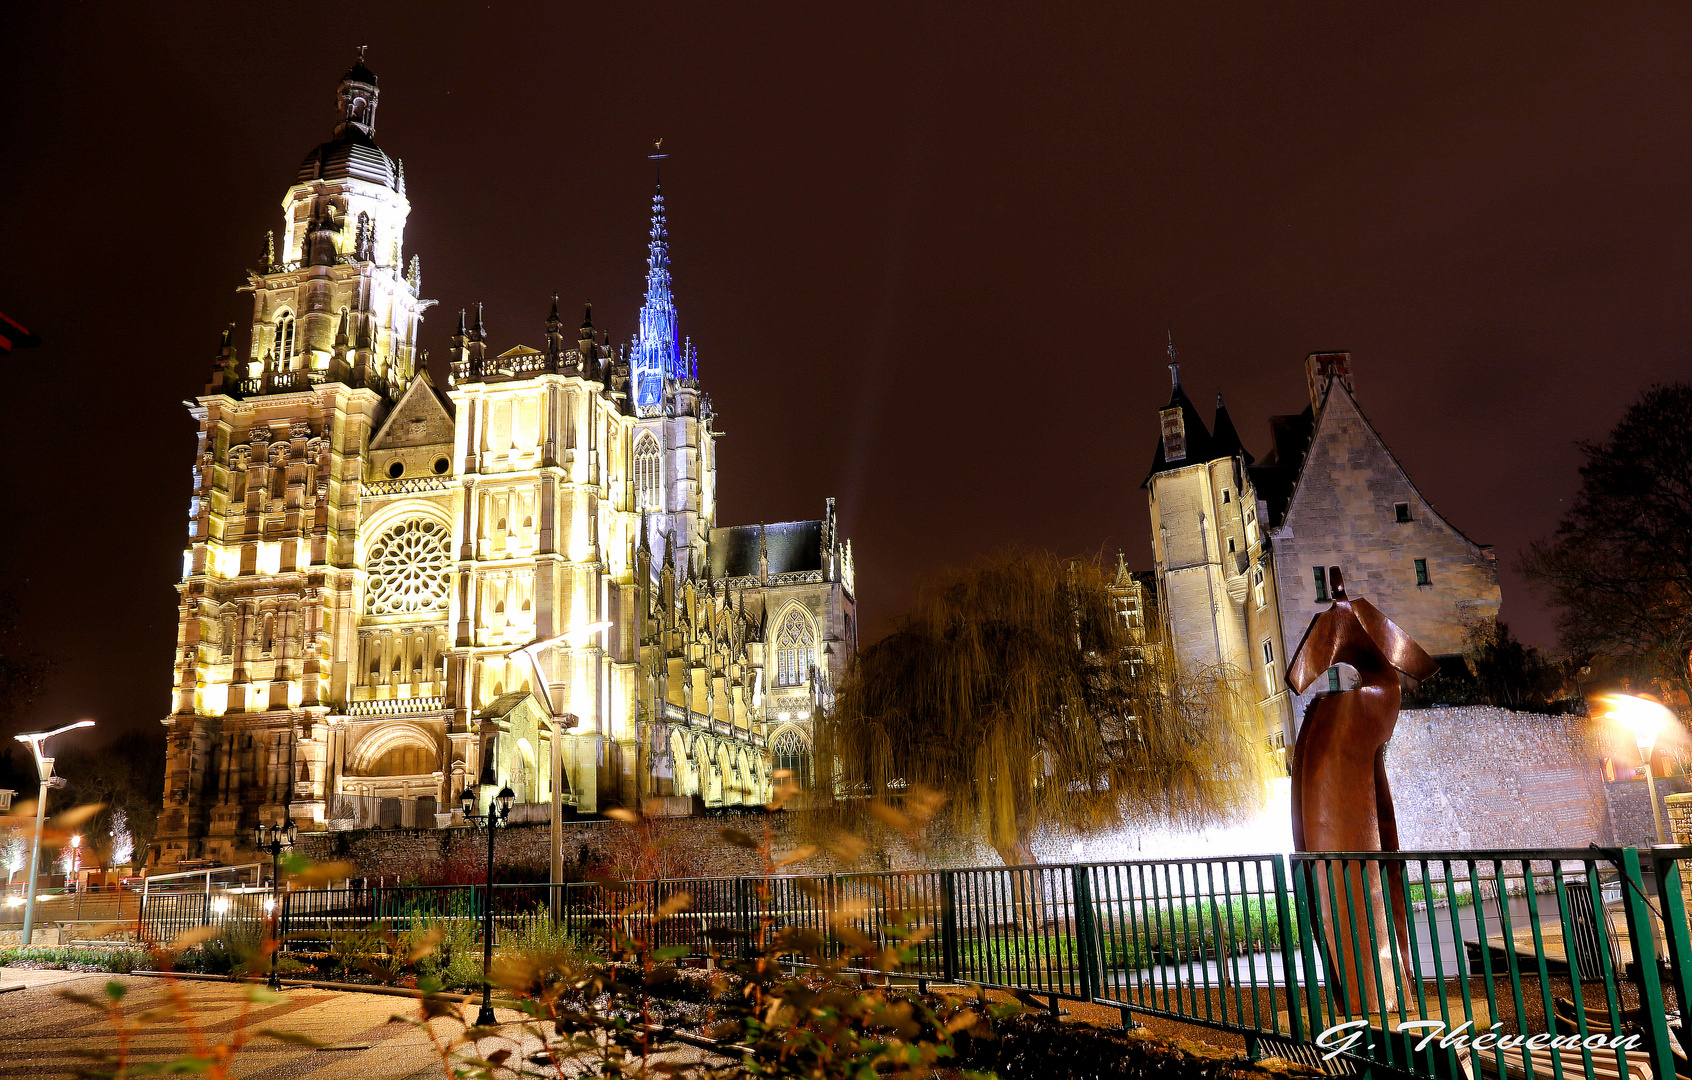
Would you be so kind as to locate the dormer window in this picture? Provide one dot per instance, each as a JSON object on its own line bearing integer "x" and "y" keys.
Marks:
{"x": 1174, "y": 435}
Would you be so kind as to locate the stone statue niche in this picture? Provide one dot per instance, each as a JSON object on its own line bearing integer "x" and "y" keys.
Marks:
{"x": 1340, "y": 798}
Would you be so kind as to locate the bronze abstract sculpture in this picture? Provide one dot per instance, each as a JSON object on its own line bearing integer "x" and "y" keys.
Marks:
{"x": 1340, "y": 798}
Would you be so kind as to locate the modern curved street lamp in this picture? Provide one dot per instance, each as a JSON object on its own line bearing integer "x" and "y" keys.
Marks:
{"x": 44, "y": 767}
{"x": 1646, "y": 718}
{"x": 498, "y": 810}
{"x": 543, "y": 691}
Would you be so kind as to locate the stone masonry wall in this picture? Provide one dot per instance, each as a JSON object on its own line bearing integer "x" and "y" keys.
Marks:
{"x": 1631, "y": 821}
{"x": 1479, "y": 777}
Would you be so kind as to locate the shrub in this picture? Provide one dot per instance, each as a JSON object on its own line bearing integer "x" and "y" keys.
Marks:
{"x": 455, "y": 960}
{"x": 544, "y": 951}
{"x": 352, "y": 950}
{"x": 236, "y": 950}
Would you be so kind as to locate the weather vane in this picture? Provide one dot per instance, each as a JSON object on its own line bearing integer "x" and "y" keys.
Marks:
{"x": 657, "y": 150}
{"x": 361, "y": 49}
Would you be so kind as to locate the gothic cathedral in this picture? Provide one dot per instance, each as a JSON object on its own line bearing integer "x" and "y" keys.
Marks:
{"x": 370, "y": 554}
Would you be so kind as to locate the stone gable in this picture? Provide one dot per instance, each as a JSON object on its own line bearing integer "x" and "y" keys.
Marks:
{"x": 1343, "y": 512}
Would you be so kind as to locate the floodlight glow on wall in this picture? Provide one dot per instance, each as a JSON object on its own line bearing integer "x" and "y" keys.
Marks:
{"x": 543, "y": 693}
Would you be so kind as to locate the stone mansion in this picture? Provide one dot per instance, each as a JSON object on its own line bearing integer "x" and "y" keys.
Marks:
{"x": 1241, "y": 545}
{"x": 369, "y": 551}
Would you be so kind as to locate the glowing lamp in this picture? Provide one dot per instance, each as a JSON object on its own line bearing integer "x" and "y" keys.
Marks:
{"x": 1646, "y": 718}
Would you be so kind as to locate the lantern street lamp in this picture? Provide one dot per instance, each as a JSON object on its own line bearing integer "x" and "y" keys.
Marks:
{"x": 1646, "y": 718}
{"x": 558, "y": 722}
{"x": 44, "y": 768}
{"x": 275, "y": 839}
{"x": 498, "y": 810}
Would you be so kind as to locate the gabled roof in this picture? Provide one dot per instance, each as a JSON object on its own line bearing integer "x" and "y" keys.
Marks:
{"x": 793, "y": 546}
{"x": 423, "y": 417}
{"x": 519, "y": 350}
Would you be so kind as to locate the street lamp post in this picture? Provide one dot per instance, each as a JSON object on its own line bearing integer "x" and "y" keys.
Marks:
{"x": 1646, "y": 718}
{"x": 43, "y": 767}
{"x": 498, "y": 810}
{"x": 76, "y": 871}
{"x": 543, "y": 691}
{"x": 274, "y": 840}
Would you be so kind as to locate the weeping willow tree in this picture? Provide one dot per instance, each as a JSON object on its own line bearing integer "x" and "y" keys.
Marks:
{"x": 1016, "y": 690}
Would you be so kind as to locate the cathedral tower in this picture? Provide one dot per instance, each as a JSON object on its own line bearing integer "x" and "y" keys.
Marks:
{"x": 271, "y": 578}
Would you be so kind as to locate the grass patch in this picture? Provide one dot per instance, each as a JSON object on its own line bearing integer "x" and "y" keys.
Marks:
{"x": 119, "y": 960}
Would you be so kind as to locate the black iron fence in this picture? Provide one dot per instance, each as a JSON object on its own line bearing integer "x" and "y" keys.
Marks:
{"x": 1526, "y": 963}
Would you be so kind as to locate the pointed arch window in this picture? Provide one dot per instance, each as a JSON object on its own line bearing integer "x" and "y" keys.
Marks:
{"x": 793, "y": 754}
{"x": 648, "y": 474}
{"x": 287, "y": 341}
{"x": 796, "y": 646}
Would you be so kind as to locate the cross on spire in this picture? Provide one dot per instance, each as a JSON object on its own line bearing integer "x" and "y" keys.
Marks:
{"x": 1174, "y": 364}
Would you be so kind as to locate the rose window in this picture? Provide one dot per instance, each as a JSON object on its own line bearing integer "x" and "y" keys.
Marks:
{"x": 408, "y": 569}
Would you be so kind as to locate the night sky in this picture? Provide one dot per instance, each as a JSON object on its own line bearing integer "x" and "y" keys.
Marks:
{"x": 929, "y": 253}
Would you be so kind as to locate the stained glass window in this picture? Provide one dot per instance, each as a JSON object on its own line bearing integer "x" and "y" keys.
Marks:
{"x": 795, "y": 647}
{"x": 409, "y": 569}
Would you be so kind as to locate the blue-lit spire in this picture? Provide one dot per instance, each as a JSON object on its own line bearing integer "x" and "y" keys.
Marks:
{"x": 657, "y": 347}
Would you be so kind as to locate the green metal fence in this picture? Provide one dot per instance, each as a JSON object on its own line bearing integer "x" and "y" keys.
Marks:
{"x": 1534, "y": 964}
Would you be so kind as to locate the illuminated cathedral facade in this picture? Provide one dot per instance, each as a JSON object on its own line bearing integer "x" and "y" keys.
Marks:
{"x": 369, "y": 551}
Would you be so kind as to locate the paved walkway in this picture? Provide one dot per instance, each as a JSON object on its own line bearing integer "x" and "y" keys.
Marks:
{"x": 43, "y": 1035}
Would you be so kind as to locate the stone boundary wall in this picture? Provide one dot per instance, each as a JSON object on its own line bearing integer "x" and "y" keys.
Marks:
{"x": 1481, "y": 777}
{"x": 1469, "y": 777}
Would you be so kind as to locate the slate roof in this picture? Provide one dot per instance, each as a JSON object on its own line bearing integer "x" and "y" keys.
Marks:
{"x": 1225, "y": 441}
{"x": 793, "y": 546}
{"x": 1276, "y": 476}
{"x": 354, "y": 154}
{"x": 1198, "y": 436}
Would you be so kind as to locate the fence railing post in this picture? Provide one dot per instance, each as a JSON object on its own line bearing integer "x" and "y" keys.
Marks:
{"x": 949, "y": 925}
{"x": 1642, "y": 936}
{"x": 743, "y": 915}
{"x": 1666, "y": 863}
{"x": 1086, "y": 942}
{"x": 1289, "y": 947}
{"x": 1306, "y": 930}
